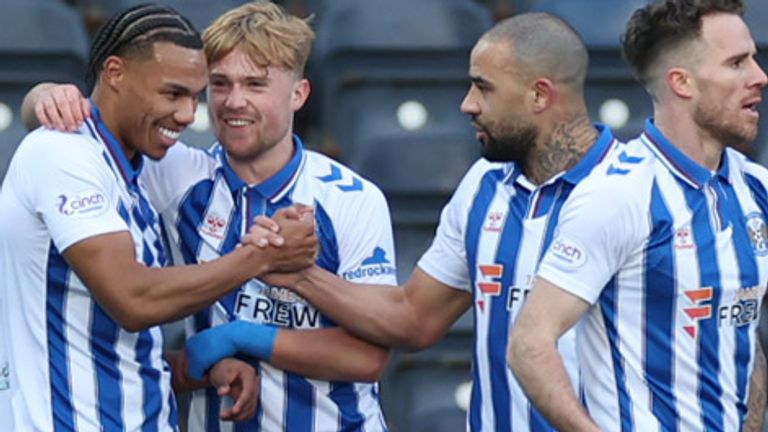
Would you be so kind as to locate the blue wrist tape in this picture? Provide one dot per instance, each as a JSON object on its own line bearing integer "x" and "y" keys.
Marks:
{"x": 208, "y": 347}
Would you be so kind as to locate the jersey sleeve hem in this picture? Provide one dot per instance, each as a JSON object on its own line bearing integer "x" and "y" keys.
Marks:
{"x": 568, "y": 284}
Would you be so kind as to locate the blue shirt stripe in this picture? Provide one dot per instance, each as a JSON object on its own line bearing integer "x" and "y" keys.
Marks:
{"x": 659, "y": 307}
{"x": 480, "y": 206}
{"x": 299, "y": 415}
{"x": 608, "y": 307}
{"x": 710, "y": 389}
{"x": 110, "y": 392}
{"x": 61, "y": 393}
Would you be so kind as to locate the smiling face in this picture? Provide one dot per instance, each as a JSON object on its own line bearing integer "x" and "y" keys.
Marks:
{"x": 252, "y": 107}
{"x": 495, "y": 101}
{"x": 729, "y": 81}
{"x": 157, "y": 98}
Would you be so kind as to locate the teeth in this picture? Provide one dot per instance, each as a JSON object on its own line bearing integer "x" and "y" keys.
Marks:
{"x": 169, "y": 133}
{"x": 238, "y": 122}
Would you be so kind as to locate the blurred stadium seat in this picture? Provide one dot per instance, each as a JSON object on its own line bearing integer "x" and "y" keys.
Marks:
{"x": 613, "y": 96}
{"x": 39, "y": 41}
{"x": 391, "y": 76}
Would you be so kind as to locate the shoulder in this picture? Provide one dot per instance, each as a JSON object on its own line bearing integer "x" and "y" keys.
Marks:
{"x": 331, "y": 180}
{"x": 739, "y": 163}
{"x": 630, "y": 166}
{"x": 43, "y": 153}
{"x": 481, "y": 171}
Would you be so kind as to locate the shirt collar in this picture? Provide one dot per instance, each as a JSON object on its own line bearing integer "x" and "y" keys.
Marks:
{"x": 592, "y": 157}
{"x": 129, "y": 169}
{"x": 274, "y": 187}
{"x": 680, "y": 164}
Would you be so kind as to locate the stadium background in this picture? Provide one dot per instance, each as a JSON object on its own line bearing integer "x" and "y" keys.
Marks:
{"x": 387, "y": 77}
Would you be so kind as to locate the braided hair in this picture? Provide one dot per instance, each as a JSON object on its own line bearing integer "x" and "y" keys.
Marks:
{"x": 133, "y": 32}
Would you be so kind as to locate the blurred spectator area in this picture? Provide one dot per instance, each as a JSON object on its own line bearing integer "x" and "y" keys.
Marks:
{"x": 388, "y": 77}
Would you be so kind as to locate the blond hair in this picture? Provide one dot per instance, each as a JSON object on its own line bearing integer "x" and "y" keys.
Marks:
{"x": 265, "y": 32}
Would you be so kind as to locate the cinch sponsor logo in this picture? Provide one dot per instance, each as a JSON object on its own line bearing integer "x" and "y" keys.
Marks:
{"x": 82, "y": 203}
{"x": 375, "y": 265}
{"x": 568, "y": 251}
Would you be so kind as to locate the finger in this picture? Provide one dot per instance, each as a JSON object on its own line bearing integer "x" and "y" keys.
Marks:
{"x": 42, "y": 116}
{"x": 223, "y": 390}
{"x": 275, "y": 240}
{"x": 85, "y": 106}
{"x": 77, "y": 111}
{"x": 65, "y": 110}
{"x": 291, "y": 213}
{"x": 49, "y": 105}
{"x": 304, "y": 208}
{"x": 267, "y": 223}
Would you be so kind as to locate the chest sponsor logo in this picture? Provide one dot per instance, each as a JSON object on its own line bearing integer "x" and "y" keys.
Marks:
{"x": 743, "y": 310}
{"x": 262, "y": 303}
{"x": 90, "y": 203}
{"x": 758, "y": 233}
{"x": 214, "y": 226}
{"x": 488, "y": 287}
{"x": 494, "y": 221}
{"x": 375, "y": 265}
{"x": 568, "y": 252}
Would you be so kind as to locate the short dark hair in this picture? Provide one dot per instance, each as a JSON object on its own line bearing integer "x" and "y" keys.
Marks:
{"x": 545, "y": 42}
{"x": 655, "y": 28}
{"x": 133, "y": 33}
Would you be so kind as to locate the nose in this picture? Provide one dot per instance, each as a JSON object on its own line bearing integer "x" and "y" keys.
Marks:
{"x": 761, "y": 79}
{"x": 185, "y": 115}
{"x": 235, "y": 98}
{"x": 469, "y": 105}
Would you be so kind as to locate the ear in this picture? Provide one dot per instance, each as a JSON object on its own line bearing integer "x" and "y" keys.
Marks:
{"x": 301, "y": 90}
{"x": 543, "y": 95}
{"x": 113, "y": 71}
{"x": 681, "y": 82}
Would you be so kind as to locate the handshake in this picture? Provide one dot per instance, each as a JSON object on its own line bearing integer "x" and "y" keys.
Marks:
{"x": 290, "y": 237}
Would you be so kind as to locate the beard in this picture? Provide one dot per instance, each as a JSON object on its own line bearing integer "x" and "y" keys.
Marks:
{"x": 731, "y": 134}
{"x": 509, "y": 143}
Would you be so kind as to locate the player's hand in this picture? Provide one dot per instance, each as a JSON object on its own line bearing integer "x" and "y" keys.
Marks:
{"x": 238, "y": 380}
{"x": 286, "y": 280}
{"x": 265, "y": 231}
{"x": 299, "y": 245}
{"x": 62, "y": 107}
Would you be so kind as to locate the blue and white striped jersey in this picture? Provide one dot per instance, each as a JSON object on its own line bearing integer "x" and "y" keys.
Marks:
{"x": 75, "y": 369}
{"x": 489, "y": 241}
{"x": 674, "y": 260}
{"x": 6, "y": 415}
{"x": 206, "y": 208}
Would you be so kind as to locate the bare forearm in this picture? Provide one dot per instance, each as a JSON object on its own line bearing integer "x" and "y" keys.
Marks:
{"x": 329, "y": 354}
{"x": 172, "y": 293}
{"x": 540, "y": 370}
{"x": 757, "y": 392}
{"x": 373, "y": 312}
